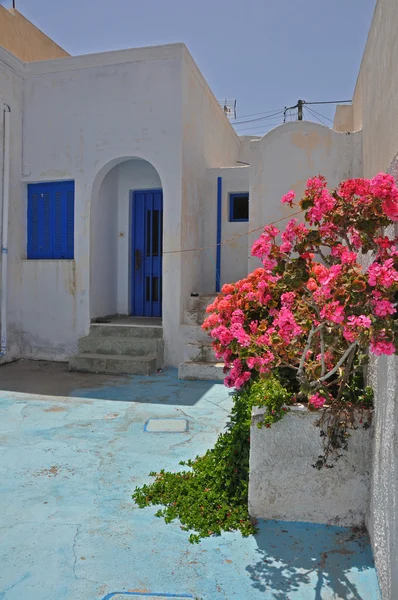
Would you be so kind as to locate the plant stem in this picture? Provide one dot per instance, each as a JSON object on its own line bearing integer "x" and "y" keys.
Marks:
{"x": 337, "y": 367}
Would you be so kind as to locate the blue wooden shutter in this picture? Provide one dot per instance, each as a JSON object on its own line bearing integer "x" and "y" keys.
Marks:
{"x": 33, "y": 223}
{"x": 70, "y": 221}
{"x": 51, "y": 220}
{"x": 58, "y": 235}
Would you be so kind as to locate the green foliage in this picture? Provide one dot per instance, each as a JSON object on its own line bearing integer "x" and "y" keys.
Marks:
{"x": 212, "y": 496}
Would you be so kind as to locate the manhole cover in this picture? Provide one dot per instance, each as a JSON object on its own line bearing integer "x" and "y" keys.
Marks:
{"x": 146, "y": 596}
{"x": 166, "y": 426}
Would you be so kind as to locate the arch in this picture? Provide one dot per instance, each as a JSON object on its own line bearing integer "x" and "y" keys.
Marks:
{"x": 111, "y": 231}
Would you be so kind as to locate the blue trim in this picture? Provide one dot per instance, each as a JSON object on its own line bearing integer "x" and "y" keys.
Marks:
{"x": 231, "y": 207}
{"x": 218, "y": 253}
{"x": 144, "y": 203}
{"x": 146, "y": 594}
{"x": 170, "y": 419}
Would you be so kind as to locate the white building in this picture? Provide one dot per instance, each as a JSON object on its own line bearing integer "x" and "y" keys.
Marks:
{"x": 122, "y": 163}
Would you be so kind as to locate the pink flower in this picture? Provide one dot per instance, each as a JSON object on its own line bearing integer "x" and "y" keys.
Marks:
{"x": 288, "y": 299}
{"x": 333, "y": 312}
{"x": 317, "y": 400}
{"x": 382, "y": 346}
{"x": 323, "y": 204}
{"x": 288, "y": 198}
{"x": 390, "y": 207}
{"x": 383, "y": 186}
{"x": 382, "y": 274}
{"x": 382, "y": 307}
{"x": 238, "y": 316}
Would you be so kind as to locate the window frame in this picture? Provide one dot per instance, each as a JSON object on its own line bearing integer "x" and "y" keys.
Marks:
{"x": 60, "y": 214}
{"x": 232, "y": 197}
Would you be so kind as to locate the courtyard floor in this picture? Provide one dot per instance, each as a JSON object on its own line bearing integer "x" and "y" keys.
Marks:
{"x": 72, "y": 451}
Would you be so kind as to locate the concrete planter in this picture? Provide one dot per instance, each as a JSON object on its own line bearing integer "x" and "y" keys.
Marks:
{"x": 283, "y": 484}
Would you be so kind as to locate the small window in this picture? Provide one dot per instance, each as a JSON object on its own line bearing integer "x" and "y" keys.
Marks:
{"x": 51, "y": 220}
{"x": 239, "y": 207}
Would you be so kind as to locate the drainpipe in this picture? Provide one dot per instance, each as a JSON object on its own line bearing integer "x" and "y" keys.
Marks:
{"x": 4, "y": 238}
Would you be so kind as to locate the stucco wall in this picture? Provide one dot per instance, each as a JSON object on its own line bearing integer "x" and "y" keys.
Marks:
{"x": 208, "y": 141}
{"x": 103, "y": 248}
{"x": 234, "y": 262}
{"x": 382, "y": 518}
{"x": 344, "y": 118}
{"x": 11, "y": 94}
{"x": 375, "y": 101}
{"x": 82, "y": 116}
{"x": 23, "y": 39}
{"x": 284, "y": 485}
{"x": 286, "y": 157}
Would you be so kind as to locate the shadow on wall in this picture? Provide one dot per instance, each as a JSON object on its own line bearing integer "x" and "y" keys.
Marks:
{"x": 303, "y": 560}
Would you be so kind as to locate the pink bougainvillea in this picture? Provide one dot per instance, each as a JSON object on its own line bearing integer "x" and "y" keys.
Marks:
{"x": 312, "y": 305}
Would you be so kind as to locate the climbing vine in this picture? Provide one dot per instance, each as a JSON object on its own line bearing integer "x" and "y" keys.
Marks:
{"x": 211, "y": 495}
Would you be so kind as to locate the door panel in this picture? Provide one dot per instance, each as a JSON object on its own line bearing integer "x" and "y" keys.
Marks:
{"x": 147, "y": 253}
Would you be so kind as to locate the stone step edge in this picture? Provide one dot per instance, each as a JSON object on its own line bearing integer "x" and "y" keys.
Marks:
{"x": 115, "y": 357}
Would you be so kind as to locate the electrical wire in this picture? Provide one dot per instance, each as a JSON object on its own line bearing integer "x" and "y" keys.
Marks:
{"x": 259, "y": 114}
{"x": 320, "y": 114}
{"x": 279, "y": 112}
{"x": 259, "y": 127}
{"x": 317, "y": 118}
{"x": 298, "y": 212}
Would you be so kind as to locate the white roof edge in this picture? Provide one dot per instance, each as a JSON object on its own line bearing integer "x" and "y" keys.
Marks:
{"x": 100, "y": 59}
{"x": 11, "y": 62}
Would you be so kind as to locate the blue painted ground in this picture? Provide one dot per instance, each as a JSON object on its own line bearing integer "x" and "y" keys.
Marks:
{"x": 70, "y": 530}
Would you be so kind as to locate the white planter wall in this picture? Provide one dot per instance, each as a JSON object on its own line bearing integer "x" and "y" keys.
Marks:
{"x": 283, "y": 484}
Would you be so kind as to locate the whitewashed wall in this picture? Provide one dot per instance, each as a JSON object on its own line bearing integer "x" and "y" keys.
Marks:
{"x": 286, "y": 157}
{"x": 103, "y": 247}
{"x": 11, "y": 70}
{"x": 234, "y": 258}
{"x": 382, "y": 520}
{"x": 284, "y": 485}
{"x": 208, "y": 141}
{"x": 83, "y": 116}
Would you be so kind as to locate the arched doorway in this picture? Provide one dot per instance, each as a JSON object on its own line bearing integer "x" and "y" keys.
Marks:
{"x": 126, "y": 238}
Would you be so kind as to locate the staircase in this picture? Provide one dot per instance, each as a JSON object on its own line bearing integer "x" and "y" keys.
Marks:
{"x": 199, "y": 359}
{"x": 120, "y": 349}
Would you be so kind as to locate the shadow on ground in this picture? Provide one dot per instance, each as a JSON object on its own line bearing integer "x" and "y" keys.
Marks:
{"x": 318, "y": 560}
{"x": 54, "y": 379}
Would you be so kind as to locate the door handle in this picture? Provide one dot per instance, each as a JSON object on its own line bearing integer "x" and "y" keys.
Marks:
{"x": 138, "y": 260}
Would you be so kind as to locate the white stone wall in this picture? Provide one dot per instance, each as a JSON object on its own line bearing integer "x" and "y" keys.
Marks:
{"x": 11, "y": 70}
{"x": 82, "y": 117}
{"x": 208, "y": 141}
{"x": 286, "y": 157}
{"x": 284, "y": 485}
{"x": 382, "y": 518}
{"x": 234, "y": 258}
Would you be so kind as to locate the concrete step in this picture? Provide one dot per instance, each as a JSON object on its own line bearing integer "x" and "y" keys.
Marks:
{"x": 194, "y": 334}
{"x": 113, "y": 364}
{"x": 200, "y": 302}
{"x": 201, "y": 370}
{"x": 131, "y": 346}
{"x": 195, "y": 312}
{"x": 133, "y": 331}
{"x": 200, "y": 352}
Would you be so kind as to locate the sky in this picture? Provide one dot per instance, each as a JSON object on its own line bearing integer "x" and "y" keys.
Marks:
{"x": 266, "y": 54}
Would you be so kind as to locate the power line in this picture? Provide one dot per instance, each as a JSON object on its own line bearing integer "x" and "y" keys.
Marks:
{"x": 320, "y": 114}
{"x": 317, "y": 118}
{"x": 260, "y": 113}
{"x": 330, "y": 102}
{"x": 279, "y": 112}
{"x": 259, "y": 127}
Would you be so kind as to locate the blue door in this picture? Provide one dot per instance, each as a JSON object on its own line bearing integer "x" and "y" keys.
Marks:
{"x": 146, "y": 247}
